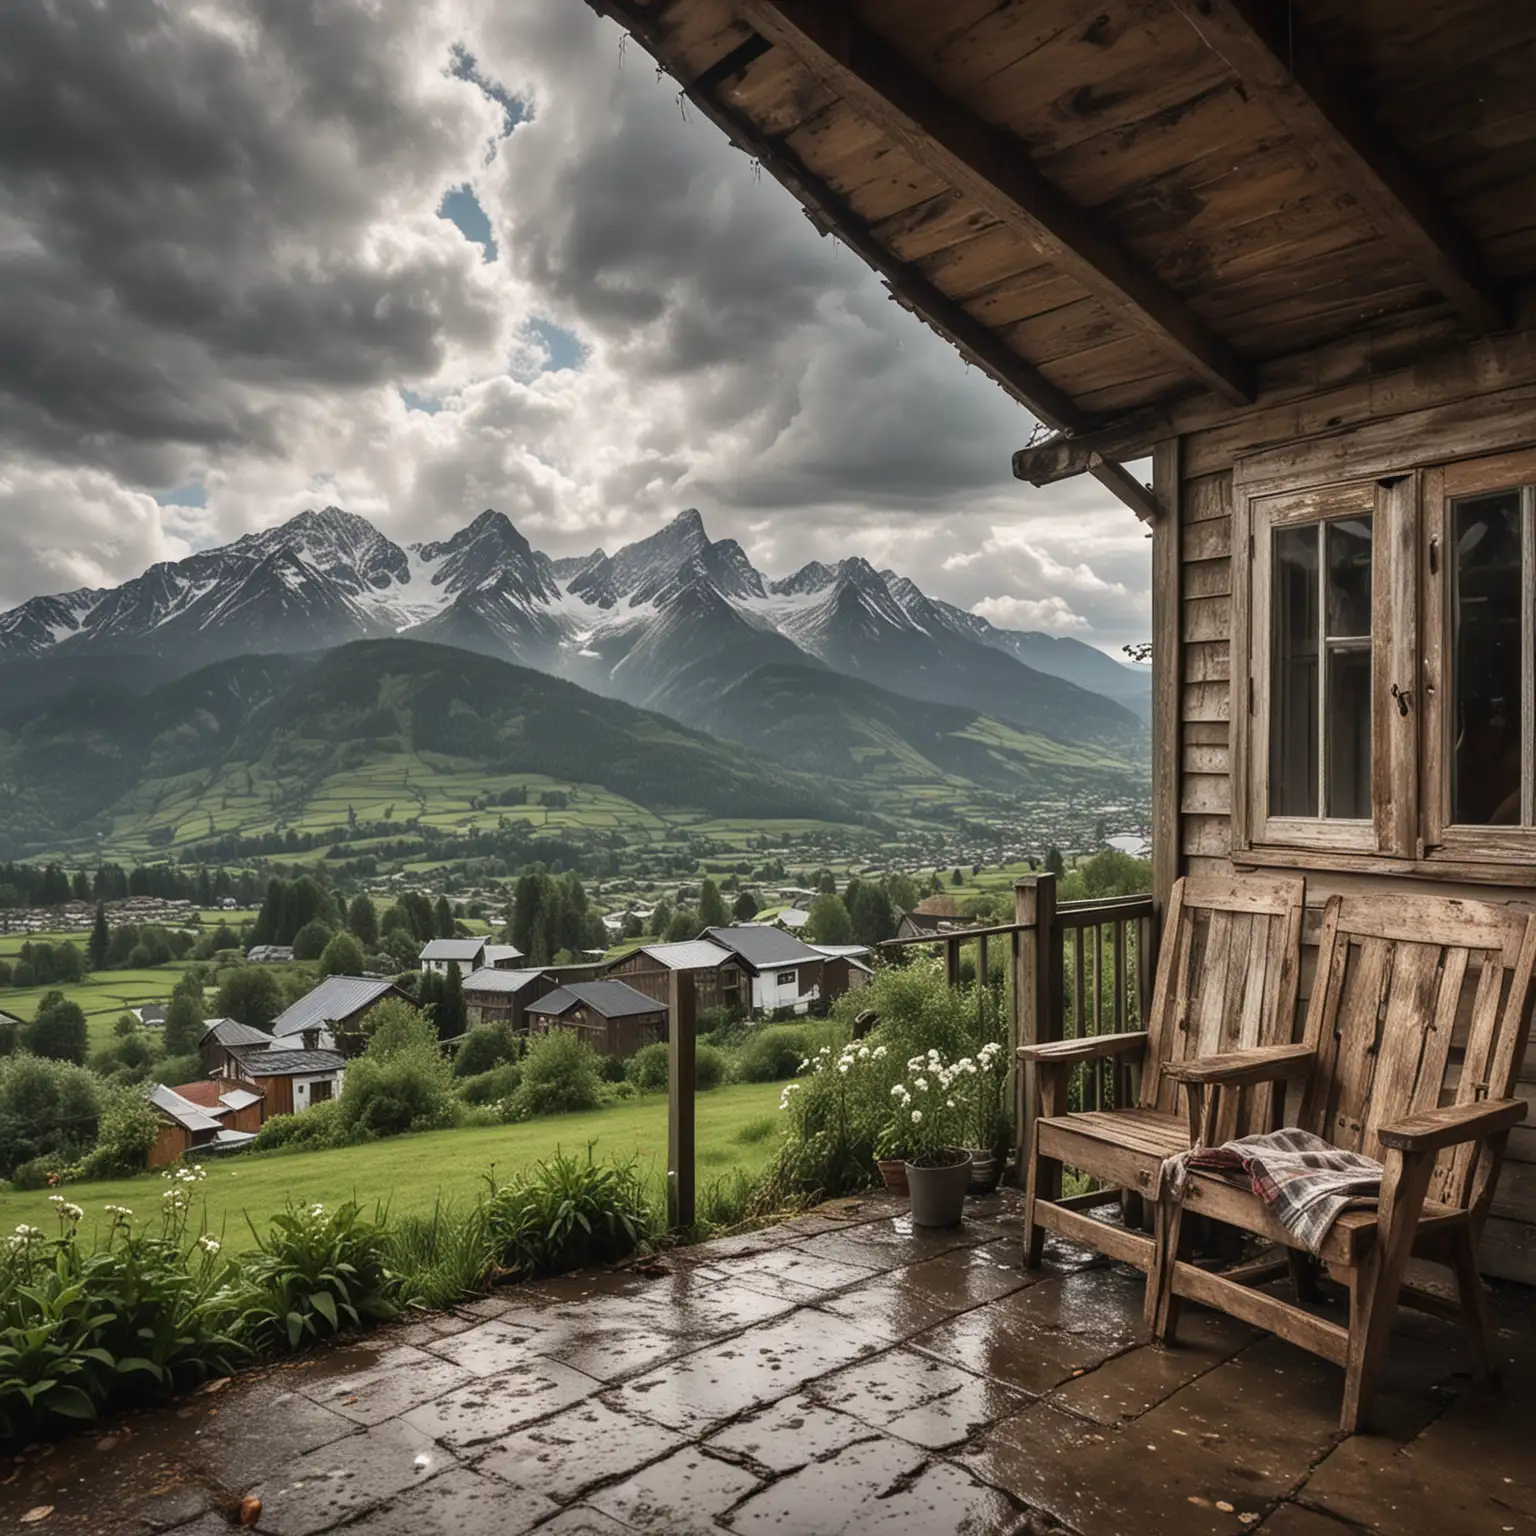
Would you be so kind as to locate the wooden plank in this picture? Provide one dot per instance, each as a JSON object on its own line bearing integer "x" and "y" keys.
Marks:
{"x": 1204, "y": 794}
{"x": 1208, "y": 578}
{"x": 1208, "y": 661}
{"x": 1207, "y": 618}
{"x": 992, "y": 168}
{"x": 1274, "y": 54}
{"x": 1262, "y": 1310}
{"x": 1167, "y": 671}
{"x": 1206, "y": 702}
{"x": 1117, "y": 1242}
{"x": 682, "y": 1166}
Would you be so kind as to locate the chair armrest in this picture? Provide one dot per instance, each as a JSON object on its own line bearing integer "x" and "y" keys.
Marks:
{"x": 1089, "y": 1048}
{"x": 1263, "y": 1064}
{"x": 1431, "y": 1129}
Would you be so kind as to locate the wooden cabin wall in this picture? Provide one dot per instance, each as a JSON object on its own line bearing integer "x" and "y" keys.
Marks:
{"x": 1481, "y": 399}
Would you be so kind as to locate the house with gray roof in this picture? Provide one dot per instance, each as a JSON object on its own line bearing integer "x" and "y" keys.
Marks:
{"x": 785, "y": 974}
{"x": 496, "y": 996}
{"x": 186, "y": 1124}
{"x": 221, "y": 1037}
{"x": 438, "y": 954}
{"x": 292, "y": 1081}
{"x": 330, "y": 1017}
{"x": 614, "y": 1018}
{"x": 719, "y": 979}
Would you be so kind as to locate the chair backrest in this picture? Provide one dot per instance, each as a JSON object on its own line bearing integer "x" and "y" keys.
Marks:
{"x": 1227, "y": 976}
{"x": 1419, "y": 1001}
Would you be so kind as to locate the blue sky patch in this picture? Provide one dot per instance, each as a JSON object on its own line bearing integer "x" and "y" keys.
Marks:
{"x": 414, "y": 402}
{"x": 564, "y": 347}
{"x": 193, "y": 494}
{"x": 462, "y": 207}
{"x": 466, "y": 67}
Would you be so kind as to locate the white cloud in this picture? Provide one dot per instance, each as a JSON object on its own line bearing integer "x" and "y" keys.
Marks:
{"x": 1052, "y": 614}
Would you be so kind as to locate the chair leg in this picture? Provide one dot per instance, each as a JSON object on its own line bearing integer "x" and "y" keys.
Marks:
{"x": 1044, "y": 1183}
{"x": 1375, "y": 1284}
{"x": 1303, "y": 1275}
{"x": 1170, "y": 1243}
{"x": 1474, "y": 1304}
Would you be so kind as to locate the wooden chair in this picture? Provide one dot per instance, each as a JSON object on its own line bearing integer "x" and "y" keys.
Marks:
{"x": 1227, "y": 978}
{"x": 1417, "y": 1026}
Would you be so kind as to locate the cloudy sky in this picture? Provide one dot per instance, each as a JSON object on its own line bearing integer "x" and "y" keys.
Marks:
{"x": 416, "y": 259}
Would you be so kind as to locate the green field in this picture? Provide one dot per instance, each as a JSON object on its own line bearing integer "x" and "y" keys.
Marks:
{"x": 102, "y": 997}
{"x": 410, "y": 1173}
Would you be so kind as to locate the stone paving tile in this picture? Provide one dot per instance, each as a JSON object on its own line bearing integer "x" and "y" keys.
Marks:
{"x": 316, "y": 1491}
{"x": 564, "y": 1456}
{"x": 917, "y": 1398}
{"x": 1128, "y": 1385}
{"x": 681, "y": 1496}
{"x": 491, "y": 1406}
{"x": 1295, "y": 1520}
{"x": 368, "y": 1385}
{"x": 1041, "y": 1335}
{"x": 459, "y": 1503}
{"x": 263, "y": 1428}
{"x": 877, "y": 1488}
{"x": 785, "y": 1271}
{"x": 908, "y": 1301}
{"x": 609, "y": 1353}
{"x": 486, "y": 1348}
{"x": 746, "y": 1372}
{"x": 423, "y": 1328}
{"x": 1471, "y": 1472}
{"x": 789, "y": 1434}
{"x": 896, "y": 1241}
{"x": 583, "y": 1520}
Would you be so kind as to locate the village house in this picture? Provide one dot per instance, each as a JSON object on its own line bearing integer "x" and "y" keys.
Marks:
{"x": 783, "y": 972}
{"x": 611, "y": 1016}
{"x": 918, "y": 924}
{"x": 221, "y": 1038}
{"x": 269, "y": 954}
{"x": 496, "y": 996}
{"x": 438, "y": 954}
{"x": 330, "y": 1016}
{"x": 720, "y": 980}
{"x": 847, "y": 968}
{"x": 187, "y": 1124}
{"x": 291, "y": 1081}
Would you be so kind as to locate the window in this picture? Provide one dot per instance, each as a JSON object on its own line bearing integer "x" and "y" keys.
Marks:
{"x": 320, "y": 1090}
{"x": 1384, "y": 668}
{"x": 788, "y": 978}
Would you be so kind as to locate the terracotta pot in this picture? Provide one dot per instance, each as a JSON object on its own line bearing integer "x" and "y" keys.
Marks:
{"x": 986, "y": 1171}
{"x": 938, "y": 1194}
{"x": 894, "y": 1172}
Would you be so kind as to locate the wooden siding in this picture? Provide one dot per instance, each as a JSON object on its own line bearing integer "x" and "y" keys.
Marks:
{"x": 714, "y": 986}
{"x": 1479, "y": 401}
{"x": 608, "y": 1037}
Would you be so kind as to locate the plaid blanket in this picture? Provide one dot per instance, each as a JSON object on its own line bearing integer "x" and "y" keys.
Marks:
{"x": 1303, "y": 1180}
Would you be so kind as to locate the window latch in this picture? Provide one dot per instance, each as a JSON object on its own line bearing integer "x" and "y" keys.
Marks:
{"x": 1404, "y": 697}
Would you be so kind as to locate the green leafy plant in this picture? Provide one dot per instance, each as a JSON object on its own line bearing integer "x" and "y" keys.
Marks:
{"x": 318, "y": 1271}
{"x": 930, "y": 1109}
{"x": 443, "y": 1257}
{"x": 560, "y": 1075}
{"x": 565, "y": 1213}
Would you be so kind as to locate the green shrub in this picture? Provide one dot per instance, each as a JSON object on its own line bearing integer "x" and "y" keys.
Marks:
{"x": 39, "y": 1173}
{"x": 773, "y": 1054}
{"x": 493, "y": 1086}
{"x": 566, "y": 1213}
{"x": 443, "y": 1257}
{"x": 317, "y": 1272}
{"x": 129, "y": 1125}
{"x": 400, "y": 1083}
{"x": 560, "y": 1074}
{"x": 612, "y": 1069}
{"x": 484, "y": 1047}
{"x": 711, "y": 1067}
{"x": 314, "y": 1128}
{"x": 648, "y": 1068}
{"x": 47, "y": 1109}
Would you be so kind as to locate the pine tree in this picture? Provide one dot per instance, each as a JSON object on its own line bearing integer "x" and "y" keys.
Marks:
{"x": 101, "y": 939}
{"x": 712, "y": 913}
{"x": 745, "y": 908}
{"x": 829, "y": 922}
{"x": 183, "y": 1025}
{"x": 1054, "y": 862}
{"x": 451, "y": 1017}
{"x": 442, "y": 916}
{"x": 363, "y": 920}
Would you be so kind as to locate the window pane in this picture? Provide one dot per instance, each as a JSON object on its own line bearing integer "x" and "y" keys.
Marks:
{"x": 1293, "y": 716}
{"x": 1349, "y": 732}
{"x": 1486, "y": 676}
{"x": 1349, "y": 576}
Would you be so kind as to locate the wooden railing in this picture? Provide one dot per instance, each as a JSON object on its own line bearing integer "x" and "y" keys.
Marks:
{"x": 1077, "y": 968}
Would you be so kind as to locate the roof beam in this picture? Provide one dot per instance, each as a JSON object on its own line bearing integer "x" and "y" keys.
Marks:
{"x": 1073, "y": 453}
{"x": 993, "y": 168}
{"x": 977, "y": 342}
{"x": 1279, "y": 61}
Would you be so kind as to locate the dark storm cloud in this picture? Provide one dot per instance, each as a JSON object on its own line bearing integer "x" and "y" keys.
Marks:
{"x": 189, "y": 204}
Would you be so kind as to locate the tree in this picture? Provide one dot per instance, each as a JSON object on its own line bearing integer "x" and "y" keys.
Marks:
{"x": 1054, "y": 862}
{"x": 745, "y": 908}
{"x": 342, "y": 956}
{"x": 684, "y": 925}
{"x": 250, "y": 993}
{"x": 956, "y": 878}
{"x": 829, "y": 922}
{"x": 183, "y": 1025}
{"x": 902, "y": 890}
{"x": 712, "y": 913}
{"x": 101, "y": 938}
{"x": 871, "y": 914}
{"x": 661, "y": 917}
{"x": 363, "y": 920}
{"x": 58, "y": 1031}
{"x": 68, "y": 962}
{"x": 310, "y": 941}
{"x": 442, "y": 917}
{"x": 450, "y": 1015}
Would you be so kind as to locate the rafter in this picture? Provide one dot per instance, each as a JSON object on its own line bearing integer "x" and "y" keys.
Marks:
{"x": 1278, "y": 60}
{"x": 994, "y": 169}
{"x": 1074, "y": 453}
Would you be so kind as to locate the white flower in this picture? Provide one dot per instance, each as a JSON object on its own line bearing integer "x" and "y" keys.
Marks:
{"x": 878, "y": 1053}
{"x": 949, "y": 1103}
{"x": 842, "y": 1067}
{"x": 921, "y": 1084}
{"x": 66, "y": 1208}
{"x": 917, "y": 1117}
{"x": 118, "y": 1212}
{"x": 804, "y": 1064}
{"x": 317, "y": 1210}
{"x": 208, "y": 1243}
{"x": 863, "y": 1053}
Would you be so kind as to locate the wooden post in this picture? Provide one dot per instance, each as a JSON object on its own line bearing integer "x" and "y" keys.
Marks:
{"x": 981, "y": 975}
{"x": 681, "y": 1168}
{"x": 1167, "y": 671}
{"x": 1036, "y": 992}
{"x": 952, "y": 962}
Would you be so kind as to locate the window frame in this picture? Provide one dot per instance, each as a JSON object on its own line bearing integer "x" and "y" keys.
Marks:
{"x": 1445, "y": 841}
{"x": 1392, "y": 504}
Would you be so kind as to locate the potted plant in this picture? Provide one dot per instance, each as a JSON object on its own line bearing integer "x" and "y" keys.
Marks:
{"x": 985, "y": 1076}
{"x": 926, "y": 1124}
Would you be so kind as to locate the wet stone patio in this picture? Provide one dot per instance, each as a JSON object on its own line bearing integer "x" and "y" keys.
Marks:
{"x": 840, "y": 1373}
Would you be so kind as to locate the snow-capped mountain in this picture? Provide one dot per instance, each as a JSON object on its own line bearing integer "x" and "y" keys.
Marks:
{"x": 668, "y": 622}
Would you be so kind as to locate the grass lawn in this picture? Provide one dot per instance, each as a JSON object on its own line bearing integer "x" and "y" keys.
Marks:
{"x": 102, "y": 996}
{"x": 737, "y": 1128}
